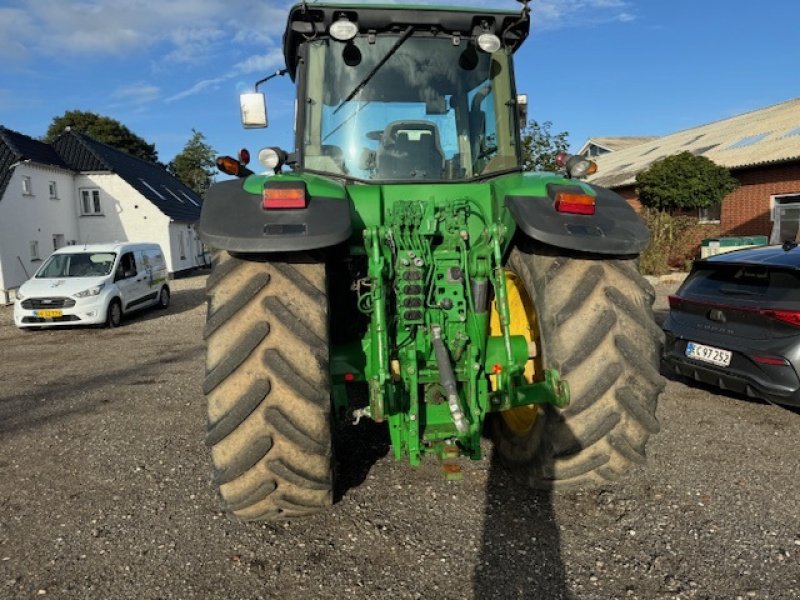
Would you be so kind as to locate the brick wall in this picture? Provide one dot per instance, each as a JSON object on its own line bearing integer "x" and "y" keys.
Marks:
{"x": 746, "y": 211}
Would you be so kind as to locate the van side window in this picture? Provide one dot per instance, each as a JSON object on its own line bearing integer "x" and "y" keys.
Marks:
{"x": 127, "y": 266}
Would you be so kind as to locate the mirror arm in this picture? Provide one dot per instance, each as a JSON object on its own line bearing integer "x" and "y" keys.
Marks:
{"x": 278, "y": 73}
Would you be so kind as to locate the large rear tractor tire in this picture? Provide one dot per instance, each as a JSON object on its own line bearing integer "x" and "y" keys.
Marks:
{"x": 267, "y": 386}
{"x": 591, "y": 318}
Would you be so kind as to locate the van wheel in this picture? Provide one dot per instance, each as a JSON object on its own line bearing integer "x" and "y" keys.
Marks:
{"x": 114, "y": 314}
{"x": 268, "y": 386}
{"x": 163, "y": 298}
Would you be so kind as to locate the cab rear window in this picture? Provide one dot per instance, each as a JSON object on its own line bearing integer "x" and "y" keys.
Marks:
{"x": 730, "y": 280}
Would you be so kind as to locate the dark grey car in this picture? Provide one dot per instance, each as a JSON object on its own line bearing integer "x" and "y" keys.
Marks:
{"x": 735, "y": 323}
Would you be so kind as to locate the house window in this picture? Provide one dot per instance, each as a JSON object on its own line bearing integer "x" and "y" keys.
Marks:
{"x": 34, "y": 246}
{"x": 710, "y": 214}
{"x": 53, "y": 190}
{"x": 59, "y": 241}
{"x": 181, "y": 245}
{"x": 90, "y": 202}
{"x": 27, "y": 190}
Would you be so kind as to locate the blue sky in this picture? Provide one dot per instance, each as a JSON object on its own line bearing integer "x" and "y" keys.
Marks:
{"x": 592, "y": 67}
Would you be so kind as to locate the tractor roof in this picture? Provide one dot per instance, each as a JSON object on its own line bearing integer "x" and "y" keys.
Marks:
{"x": 307, "y": 21}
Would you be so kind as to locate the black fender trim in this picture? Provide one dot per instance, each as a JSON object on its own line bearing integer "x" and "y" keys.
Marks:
{"x": 232, "y": 219}
{"x": 615, "y": 228}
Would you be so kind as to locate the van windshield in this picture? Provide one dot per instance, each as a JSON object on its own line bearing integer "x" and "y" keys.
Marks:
{"x": 83, "y": 264}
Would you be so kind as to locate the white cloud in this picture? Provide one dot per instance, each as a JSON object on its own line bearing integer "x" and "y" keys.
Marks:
{"x": 205, "y": 84}
{"x": 127, "y": 28}
{"x": 557, "y": 14}
{"x": 137, "y": 93}
{"x": 195, "y": 46}
{"x": 262, "y": 62}
{"x": 12, "y": 46}
{"x": 254, "y": 64}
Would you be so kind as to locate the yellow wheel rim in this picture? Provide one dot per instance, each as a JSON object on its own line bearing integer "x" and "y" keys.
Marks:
{"x": 523, "y": 322}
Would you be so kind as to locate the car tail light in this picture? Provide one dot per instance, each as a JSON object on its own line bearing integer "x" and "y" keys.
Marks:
{"x": 792, "y": 317}
{"x": 575, "y": 204}
{"x": 770, "y": 360}
{"x": 284, "y": 196}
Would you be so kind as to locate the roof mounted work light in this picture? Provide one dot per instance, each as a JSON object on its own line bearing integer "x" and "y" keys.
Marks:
{"x": 343, "y": 29}
{"x": 488, "y": 42}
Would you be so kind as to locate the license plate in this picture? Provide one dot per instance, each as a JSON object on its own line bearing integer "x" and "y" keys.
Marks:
{"x": 48, "y": 314}
{"x": 709, "y": 354}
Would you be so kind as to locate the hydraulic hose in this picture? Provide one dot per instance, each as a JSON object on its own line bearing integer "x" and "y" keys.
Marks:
{"x": 448, "y": 379}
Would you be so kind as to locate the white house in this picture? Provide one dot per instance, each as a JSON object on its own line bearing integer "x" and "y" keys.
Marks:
{"x": 78, "y": 190}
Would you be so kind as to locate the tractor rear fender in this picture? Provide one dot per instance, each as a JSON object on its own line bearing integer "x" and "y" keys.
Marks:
{"x": 232, "y": 218}
{"x": 614, "y": 228}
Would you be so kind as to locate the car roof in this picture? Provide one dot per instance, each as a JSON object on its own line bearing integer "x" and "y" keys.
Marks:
{"x": 113, "y": 247}
{"x": 786, "y": 256}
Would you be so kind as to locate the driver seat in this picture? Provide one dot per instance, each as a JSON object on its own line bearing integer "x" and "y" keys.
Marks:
{"x": 410, "y": 150}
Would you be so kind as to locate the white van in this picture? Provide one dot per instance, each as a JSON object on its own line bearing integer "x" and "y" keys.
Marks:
{"x": 93, "y": 284}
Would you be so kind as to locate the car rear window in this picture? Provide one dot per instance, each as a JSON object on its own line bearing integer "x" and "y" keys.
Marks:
{"x": 756, "y": 281}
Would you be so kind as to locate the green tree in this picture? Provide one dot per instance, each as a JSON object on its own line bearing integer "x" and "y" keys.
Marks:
{"x": 104, "y": 129}
{"x": 540, "y": 146}
{"x": 194, "y": 166}
{"x": 684, "y": 181}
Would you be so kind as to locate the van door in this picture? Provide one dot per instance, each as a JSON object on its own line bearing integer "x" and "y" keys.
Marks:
{"x": 152, "y": 276}
{"x": 130, "y": 282}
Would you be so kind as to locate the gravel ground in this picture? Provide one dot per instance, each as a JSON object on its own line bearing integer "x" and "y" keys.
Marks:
{"x": 105, "y": 493}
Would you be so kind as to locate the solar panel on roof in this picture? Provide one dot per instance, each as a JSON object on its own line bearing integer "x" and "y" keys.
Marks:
{"x": 703, "y": 149}
{"x": 791, "y": 133}
{"x": 748, "y": 141}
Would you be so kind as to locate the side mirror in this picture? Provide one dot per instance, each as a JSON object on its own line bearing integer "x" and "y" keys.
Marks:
{"x": 522, "y": 110}
{"x": 254, "y": 110}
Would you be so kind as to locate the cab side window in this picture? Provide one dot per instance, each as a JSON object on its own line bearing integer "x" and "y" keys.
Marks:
{"x": 127, "y": 266}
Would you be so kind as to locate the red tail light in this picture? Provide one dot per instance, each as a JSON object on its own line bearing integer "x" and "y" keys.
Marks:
{"x": 675, "y": 301}
{"x": 792, "y": 317}
{"x": 284, "y": 196}
{"x": 770, "y": 360}
{"x": 575, "y": 204}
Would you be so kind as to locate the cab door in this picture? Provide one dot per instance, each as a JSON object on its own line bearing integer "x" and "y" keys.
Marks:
{"x": 131, "y": 283}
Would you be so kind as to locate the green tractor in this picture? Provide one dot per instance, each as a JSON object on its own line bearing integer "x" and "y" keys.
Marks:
{"x": 403, "y": 268}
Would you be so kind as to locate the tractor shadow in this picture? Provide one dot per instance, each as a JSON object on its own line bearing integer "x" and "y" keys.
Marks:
{"x": 520, "y": 555}
{"x": 357, "y": 448}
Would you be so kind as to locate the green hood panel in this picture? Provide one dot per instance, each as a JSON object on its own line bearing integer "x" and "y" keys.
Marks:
{"x": 535, "y": 184}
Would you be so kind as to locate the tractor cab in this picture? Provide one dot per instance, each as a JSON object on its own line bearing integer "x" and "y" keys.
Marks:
{"x": 404, "y": 94}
